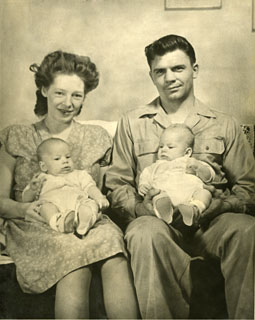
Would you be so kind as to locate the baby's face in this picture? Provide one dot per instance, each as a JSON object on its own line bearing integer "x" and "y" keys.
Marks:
{"x": 171, "y": 146}
{"x": 57, "y": 159}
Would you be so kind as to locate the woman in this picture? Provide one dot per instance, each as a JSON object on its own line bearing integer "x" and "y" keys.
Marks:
{"x": 44, "y": 257}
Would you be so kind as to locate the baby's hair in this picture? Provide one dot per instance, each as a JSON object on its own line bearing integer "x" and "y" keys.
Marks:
{"x": 185, "y": 131}
{"x": 43, "y": 146}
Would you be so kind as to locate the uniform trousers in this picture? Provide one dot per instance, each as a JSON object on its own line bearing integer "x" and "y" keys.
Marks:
{"x": 161, "y": 255}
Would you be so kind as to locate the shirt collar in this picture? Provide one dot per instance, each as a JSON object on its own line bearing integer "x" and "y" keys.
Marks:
{"x": 155, "y": 108}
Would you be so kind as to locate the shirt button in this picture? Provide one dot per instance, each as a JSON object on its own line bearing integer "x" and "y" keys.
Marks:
{"x": 207, "y": 148}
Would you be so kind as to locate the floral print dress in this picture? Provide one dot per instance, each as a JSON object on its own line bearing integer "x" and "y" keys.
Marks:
{"x": 43, "y": 256}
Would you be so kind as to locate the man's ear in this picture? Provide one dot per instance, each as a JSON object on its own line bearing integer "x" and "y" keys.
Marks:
{"x": 150, "y": 73}
{"x": 188, "y": 152}
{"x": 44, "y": 92}
{"x": 43, "y": 166}
{"x": 195, "y": 70}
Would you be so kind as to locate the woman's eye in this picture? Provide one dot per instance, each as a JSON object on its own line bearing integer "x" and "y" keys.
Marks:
{"x": 77, "y": 96}
{"x": 59, "y": 93}
{"x": 57, "y": 158}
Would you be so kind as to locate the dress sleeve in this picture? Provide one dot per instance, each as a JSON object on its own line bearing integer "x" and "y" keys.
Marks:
{"x": 120, "y": 178}
{"x": 17, "y": 140}
{"x": 105, "y": 143}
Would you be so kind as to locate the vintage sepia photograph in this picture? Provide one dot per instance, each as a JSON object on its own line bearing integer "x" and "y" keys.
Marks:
{"x": 127, "y": 159}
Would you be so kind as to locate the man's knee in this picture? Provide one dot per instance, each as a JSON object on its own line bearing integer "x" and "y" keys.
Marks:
{"x": 148, "y": 231}
{"x": 240, "y": 228}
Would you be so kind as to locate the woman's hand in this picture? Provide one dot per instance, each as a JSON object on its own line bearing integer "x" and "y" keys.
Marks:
{"x": 145, "y": 208}
{"x": 36, "y": 185}
{"x": 32, "y": 213}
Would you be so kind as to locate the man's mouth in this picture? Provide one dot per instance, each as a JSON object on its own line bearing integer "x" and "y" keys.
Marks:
{"x": 173, "y": 88}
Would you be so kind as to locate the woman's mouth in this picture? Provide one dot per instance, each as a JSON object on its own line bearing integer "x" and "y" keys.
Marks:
{"x": 65, "y": 112}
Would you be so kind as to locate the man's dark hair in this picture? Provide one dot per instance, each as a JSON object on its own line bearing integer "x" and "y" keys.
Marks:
{"x": 169, "y": 43}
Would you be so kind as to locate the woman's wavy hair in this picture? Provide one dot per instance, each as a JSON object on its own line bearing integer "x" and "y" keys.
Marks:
{"x": 60, "y": 62}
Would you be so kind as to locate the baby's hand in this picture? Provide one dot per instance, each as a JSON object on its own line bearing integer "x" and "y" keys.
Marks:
{"x": 103, "y": 203}
{"x": 143, "y": 189}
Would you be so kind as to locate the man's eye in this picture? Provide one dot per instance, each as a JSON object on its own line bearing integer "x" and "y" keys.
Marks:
{"x": 57, "y": 158}
{"x": 159, "y": 72}
{"x": 178, "y": 69}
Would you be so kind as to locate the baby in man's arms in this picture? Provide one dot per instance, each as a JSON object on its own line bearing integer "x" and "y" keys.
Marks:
{"x": 179, "y": 177}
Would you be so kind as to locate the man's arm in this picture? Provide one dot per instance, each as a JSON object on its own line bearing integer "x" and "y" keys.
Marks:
{"x": 120, "y": 178}
{"x": 239, "y": 166}
{"x": 126, "y": 203}
{"x": 201, "y": 169}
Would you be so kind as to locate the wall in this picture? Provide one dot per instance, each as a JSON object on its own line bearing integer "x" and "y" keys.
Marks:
{"x": 114, "y": 33}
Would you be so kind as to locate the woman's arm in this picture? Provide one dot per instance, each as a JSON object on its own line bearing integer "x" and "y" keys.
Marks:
{"x": 9, "y": 208}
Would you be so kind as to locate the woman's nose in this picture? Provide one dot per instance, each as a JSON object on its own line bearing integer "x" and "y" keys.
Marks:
{"x": 68, "y": 101}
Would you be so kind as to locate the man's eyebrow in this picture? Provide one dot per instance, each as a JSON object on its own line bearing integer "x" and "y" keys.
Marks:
{"x": 159, "y": 69}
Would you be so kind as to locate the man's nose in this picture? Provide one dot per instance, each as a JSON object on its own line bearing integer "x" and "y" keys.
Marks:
{"x": 170, "y": 75}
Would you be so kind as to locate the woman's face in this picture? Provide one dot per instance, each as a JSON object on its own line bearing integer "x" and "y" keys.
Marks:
{"x": 65, "y": 97}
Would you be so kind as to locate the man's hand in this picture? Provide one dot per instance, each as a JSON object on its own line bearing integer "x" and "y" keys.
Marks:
{"x": 145, "y": 208}
{"x": 216, "y": 207}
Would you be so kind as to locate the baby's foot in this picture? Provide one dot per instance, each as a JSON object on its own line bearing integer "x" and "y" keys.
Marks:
{"x": 190, "y": 213}
{"x": 163, "y": 207}
{"x": 85, "y": 222}
{"x": 63, "y": 222}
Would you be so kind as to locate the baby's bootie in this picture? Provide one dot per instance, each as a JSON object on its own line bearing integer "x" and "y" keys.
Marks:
{"x": 63, "y": 222}
{"x": 85, "y": 222}
{"x": 163, "y": 207}
{"x": 189, "y": 212}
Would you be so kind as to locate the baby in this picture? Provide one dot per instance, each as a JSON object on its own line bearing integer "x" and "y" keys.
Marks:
{"x": 179, "y": 177}
{"x": 69, "y": 198}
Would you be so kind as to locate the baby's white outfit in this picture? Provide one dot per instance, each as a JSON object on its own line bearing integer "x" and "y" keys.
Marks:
{"x": 171, "y": 177}
{"x": 67, "y": 191}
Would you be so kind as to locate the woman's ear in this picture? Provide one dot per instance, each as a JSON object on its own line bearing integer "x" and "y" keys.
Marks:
{"x": 43, "y": 166}
{"x": 188, "y": 152}
{"x": 44, "y": 92}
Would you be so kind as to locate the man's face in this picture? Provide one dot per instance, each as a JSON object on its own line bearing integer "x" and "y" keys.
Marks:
{"x": 173, "y": 75}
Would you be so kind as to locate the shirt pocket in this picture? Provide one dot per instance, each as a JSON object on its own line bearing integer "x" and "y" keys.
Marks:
{"x": 209, "y": 146}
{"x": 211, "y": 150}
{"x": 146, "y": 153}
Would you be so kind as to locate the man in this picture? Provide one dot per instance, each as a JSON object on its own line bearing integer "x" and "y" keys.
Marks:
{"x": 159, "y": 258}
